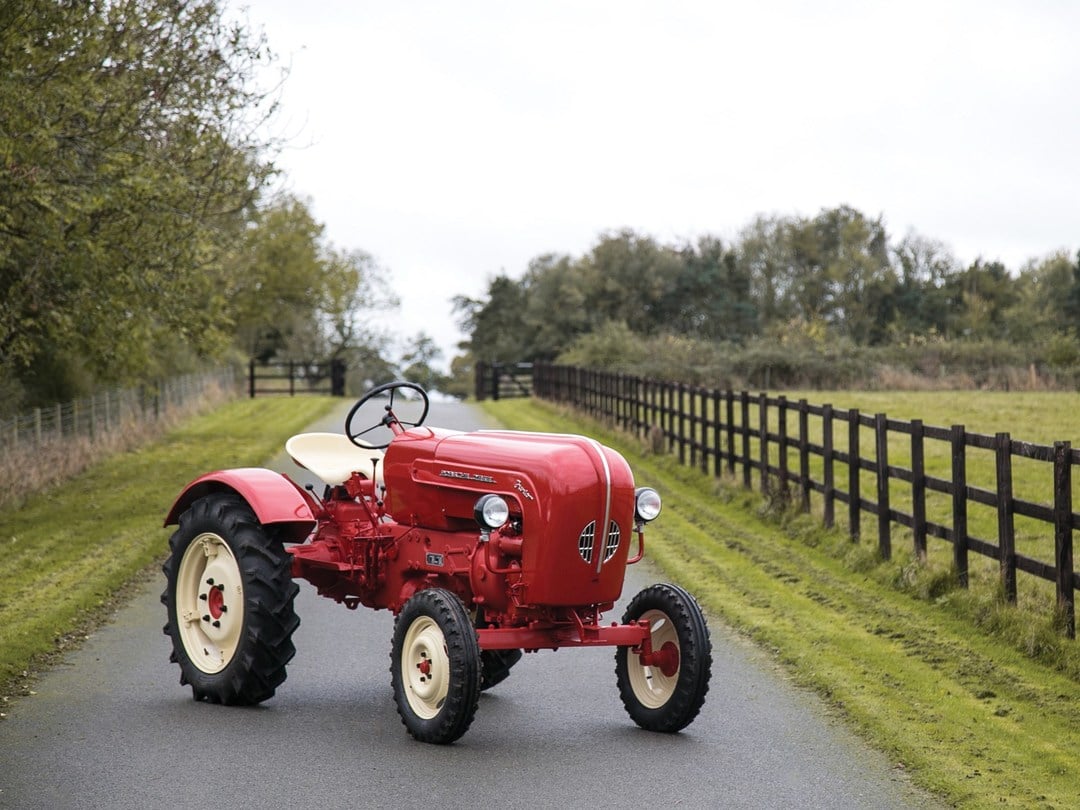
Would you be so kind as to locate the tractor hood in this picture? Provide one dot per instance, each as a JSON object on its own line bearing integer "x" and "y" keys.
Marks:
{"x": 561, "y": 488}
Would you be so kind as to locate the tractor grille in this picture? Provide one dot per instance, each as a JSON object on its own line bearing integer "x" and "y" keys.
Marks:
{"x": 587, "y": 542}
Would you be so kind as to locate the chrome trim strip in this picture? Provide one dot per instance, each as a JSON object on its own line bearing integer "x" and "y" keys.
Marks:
{"x": 606, "y": 526}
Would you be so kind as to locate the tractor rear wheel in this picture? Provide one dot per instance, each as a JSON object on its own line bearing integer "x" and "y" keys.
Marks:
{"x": 229, "y": 600}
{"x": 496, "y": 666}
{"x": 668, "y": 694}
{"x": 435, "y": 667}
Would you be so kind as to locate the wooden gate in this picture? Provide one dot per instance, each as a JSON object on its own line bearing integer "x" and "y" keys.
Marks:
{"x": 297, "y": 377}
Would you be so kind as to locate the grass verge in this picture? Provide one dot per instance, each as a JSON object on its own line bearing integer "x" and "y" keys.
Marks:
{"x": 970, "y": 708}
{"x": 67, "y": 555}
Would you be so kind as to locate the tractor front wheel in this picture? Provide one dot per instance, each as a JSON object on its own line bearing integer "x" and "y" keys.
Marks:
{"x": 435, "y": 667}
{"x": 667, "y": 693}
{"x": 229, "y": 599}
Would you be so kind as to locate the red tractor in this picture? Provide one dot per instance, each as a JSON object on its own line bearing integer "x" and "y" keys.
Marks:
{"x": 483, "y": 544}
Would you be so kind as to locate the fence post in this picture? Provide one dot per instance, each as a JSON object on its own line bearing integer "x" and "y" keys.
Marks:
{"x": 744, "y": 402}
{"x": 763, "y": 433}
{"x": 918, "y": 490}
{"x": 729, "y": 398}
{"x": 1063, "y": 542}
{"x": 881, "y": 434}
{"x": 717, "y": 466}
{"x": 804, "y": 454}
{"x": 781, "y": 432}
{"x": 959, "y": 499}
{"x": 1006, "y": 524}
{"x": 829, "y": 487}
{"x": 337, "y": 377}
{"x": 682, "y": 423}
{"x": 854, "y": 466}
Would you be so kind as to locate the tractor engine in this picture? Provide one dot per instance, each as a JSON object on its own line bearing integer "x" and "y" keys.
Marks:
{"x": 561, "y": 538}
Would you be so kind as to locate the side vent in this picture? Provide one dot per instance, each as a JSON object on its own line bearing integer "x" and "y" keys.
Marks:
{"x": 587, "y": 542}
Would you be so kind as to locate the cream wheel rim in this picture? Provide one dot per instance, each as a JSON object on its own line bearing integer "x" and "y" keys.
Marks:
{"x": 425, "y": 667}
{"x": 209, "y": 603}
{"x": 651, "y": 686}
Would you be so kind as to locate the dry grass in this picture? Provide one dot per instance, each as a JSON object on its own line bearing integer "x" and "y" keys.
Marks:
{"x": 31, "y": 469}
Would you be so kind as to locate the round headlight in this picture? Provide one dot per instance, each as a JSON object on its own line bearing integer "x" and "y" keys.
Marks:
{"x": 646, "y": 503}
{"x": 491, "y": 511}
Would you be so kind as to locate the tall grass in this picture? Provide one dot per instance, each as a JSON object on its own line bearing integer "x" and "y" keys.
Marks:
{"x": 35, "y": 461}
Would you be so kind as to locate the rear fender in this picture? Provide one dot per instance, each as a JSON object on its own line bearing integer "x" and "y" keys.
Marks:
{"x": 275, "y": 499}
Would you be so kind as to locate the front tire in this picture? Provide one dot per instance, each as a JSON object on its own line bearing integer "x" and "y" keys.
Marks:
{"x": 668, "y": 696}
{"x": 435, "y": 667}
{"x": 229, "y": 600}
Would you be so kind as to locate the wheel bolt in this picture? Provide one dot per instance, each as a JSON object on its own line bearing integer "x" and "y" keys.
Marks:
{"x": 217, "y": 624}
{"x": 202, "y": 596}
{"x": 220, "y": 587}
{"x": 206, "y": 618}
{"x": 224, "y": 608}
{"x": 210, "y": 581}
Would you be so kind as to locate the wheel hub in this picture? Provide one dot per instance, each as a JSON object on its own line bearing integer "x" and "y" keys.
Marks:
{"x": 209, "y": 602}
{"x": 425, "y": 666}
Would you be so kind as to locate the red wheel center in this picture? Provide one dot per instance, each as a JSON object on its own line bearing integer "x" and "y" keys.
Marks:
{"x": 424, "y": 667}
{"x": 667, "y": 659}
{"x": 216, "y": 602}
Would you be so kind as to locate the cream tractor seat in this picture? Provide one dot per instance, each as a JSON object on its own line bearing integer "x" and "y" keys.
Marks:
{"x": 333, "y": 458}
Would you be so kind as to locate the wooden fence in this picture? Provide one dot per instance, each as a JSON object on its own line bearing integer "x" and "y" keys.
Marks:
{"x": 795, "y": 449}
{"x": 294, "y": 377}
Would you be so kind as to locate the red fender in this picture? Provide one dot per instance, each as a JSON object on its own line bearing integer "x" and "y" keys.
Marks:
{"x": 273, "y": 497}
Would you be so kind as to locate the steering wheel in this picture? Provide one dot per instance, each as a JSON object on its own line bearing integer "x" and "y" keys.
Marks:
{"x": 389, "y": 416}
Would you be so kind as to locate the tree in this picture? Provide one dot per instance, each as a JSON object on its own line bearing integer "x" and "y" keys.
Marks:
{"x": 418, "y": 363}
{"x": 762, "y": 255}
{"x": 711, "y": 296}
{"x": 556, "y": 309}
{"x": 921, "y": 300}
{"x": 980, "y": 296}
{"x": 494, "y": 325}
{"x": 627, "y": 278}
{"x": 841, "y": 273}
{"x": 276, "y": 283}
{"x": 129, "y": 150}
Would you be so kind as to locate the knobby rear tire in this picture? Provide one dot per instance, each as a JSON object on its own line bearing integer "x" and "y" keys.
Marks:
{"x": 229, "y": 600}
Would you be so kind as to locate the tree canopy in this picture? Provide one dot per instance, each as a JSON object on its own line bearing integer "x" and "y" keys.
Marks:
{"x": 137, "y": 232}
{"x": 836, "y": 278}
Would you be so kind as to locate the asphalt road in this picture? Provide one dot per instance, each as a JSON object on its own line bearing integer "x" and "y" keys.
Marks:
{"x": 112, "y": 728}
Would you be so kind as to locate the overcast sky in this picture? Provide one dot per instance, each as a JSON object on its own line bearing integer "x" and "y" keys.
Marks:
{"x": 457, "y": 140}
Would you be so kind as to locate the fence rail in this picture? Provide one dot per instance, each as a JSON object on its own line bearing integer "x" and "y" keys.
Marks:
{"x": 796, "y": 449}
